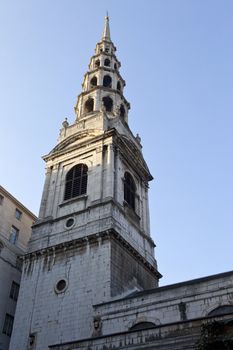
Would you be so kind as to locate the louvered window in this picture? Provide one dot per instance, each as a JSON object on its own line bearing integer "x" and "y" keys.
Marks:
{"x": 129, "y": 190}
{"x": 76, "y": 181}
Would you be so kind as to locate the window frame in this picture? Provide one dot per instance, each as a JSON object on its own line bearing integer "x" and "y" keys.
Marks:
{"x": 14, "y": 291}
{"x": 8, "y": 325}
{"x": 14, "y": 234}
{"x": 18, "y": 214}
{"x": 130, "y": 191}
{"x": 75, "y": 184}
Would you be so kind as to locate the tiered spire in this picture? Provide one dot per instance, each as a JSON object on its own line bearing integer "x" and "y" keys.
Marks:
{"x": 103, "y": 85}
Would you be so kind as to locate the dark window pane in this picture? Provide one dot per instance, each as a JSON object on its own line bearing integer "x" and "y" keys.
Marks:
{"x": 8, "y": 325}
{"x": 76, "y": 181}
{"x": 129, "y": 190}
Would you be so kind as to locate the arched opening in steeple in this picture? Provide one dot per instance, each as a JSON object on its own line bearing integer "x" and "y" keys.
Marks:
{"x": 93, "y": 82}
{"x": 107, "y": 81}
{"x": 122, "y": 111}
{"x": 89, "y": 105}
{"x": 107, "y": 62}
{"x": 119, "y": 86}
{"x": 76, "y": 181}
{"x": 129, "y": 190}
{"x": 115, "y": 66}
{"x": 108, "y": 103}
{"x": 97, "y": 63}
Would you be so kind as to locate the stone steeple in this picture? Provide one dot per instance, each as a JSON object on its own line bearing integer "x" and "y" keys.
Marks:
{"x": 92, "y": 241}
{"x": 103, "y": 85}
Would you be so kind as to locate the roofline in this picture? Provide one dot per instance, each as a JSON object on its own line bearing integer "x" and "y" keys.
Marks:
{"x": 168, "y": 287}
{"x": 17, "y": 202}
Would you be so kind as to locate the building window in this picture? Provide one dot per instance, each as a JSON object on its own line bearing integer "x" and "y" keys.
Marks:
{"x": 89, "y": 105}
{"x": 18, "y": 214}
{"x": 14, "y": 291}
{"x": 118, "y": 86}
{"x": 107, "y": 62}
{"x": 76, "y": 181}
{"x": 108, "y": 103}
{"x": 1, "y": 199}
{"x": 1, "y": 246}
{"x": 61, "y": 286}
{"x": 93, "y": 82}
{"x": 107, "y": 81}
{"x": 97, "y": 63}
{"x": 14, "y": 235}
{"x": 122, "y": 111}
{"x": 8, "y": 325}
{"x": 129, "y": 190}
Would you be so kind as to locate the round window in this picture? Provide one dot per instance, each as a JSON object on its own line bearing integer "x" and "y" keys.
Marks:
{"x": 69, "y": 223}
{"x": 61, "y": 286}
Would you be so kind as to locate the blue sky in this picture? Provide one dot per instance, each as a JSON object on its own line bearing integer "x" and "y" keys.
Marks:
{"x": 176, "y": 59}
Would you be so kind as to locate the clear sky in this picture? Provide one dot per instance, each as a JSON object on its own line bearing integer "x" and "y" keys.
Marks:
{"x": 177, "y": 58}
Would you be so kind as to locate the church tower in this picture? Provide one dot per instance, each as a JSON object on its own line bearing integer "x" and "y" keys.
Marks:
{"x": 92, "y": 241}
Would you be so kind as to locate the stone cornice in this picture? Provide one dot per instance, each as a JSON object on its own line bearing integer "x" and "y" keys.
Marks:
{"x": 79, "y": 242}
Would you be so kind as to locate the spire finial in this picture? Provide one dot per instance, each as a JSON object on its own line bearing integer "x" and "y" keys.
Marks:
{"x": 106, "y": 33}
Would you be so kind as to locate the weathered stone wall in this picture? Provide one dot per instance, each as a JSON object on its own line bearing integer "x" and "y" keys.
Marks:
{"x": 183, "y": 301}
{"x": 178, "y": 336}
{"x": 128, "y": 273}
{"x": 66, "y": 315}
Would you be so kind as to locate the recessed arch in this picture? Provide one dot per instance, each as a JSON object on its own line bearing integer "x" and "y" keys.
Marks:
{"x": 142, "y": 325}
{"x": 108, "y": 103}
{"x": 97, "y": 63}
{"x": 129, "y": 190}
{"x": 89, "y": 105}
{"x": 122, "y": 111}
{"x": 93, "y": 81}
{"x": 107, "y": 81}
{"x": 119, "y": 86}
{"x": 221, "y": 310}
{"x": 76, "y": 181}
{"x": 107, "y": 62}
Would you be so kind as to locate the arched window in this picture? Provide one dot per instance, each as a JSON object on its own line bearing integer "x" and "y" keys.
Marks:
{"x": 107, "y": 82}
{"x": 107, "y": 62}
{"x": 108, "y": 103}
{"x": 142, "y": 325}
{"x": 89, "y": 105}
{"x": 129, "y": 190}
{"x": 76, "y": 181}
{"x": 221, "y": 310}
{"x": 97, "y": 63}
{"x": 118, "y": 86}
{"x": 1, "y": 246}
{"x": 122, "y": 111}
{"x": 93, "y": 82}
{"x": 115, "y": 65}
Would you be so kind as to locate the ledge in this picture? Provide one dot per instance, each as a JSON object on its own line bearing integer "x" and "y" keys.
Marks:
{"x": 75, "y": 199}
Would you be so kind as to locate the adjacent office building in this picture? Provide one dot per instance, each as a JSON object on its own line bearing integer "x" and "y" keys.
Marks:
{"x": 15, "y": 230}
